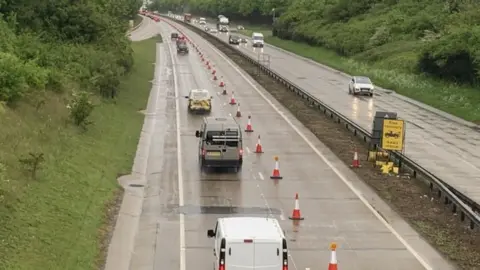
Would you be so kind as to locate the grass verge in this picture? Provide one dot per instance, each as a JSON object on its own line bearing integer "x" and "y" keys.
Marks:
{"x": 410, "y": 198}
{"x": 57, "y": 221}
{"x": 461, "y": 101}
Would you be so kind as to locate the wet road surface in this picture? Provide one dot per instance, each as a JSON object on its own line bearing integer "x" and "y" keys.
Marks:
{"x": 181, "y": 202}
{"x": 447, "y": 148}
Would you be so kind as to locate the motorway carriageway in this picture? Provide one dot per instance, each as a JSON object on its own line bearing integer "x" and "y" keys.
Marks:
{"x": 180, "y": 202}
{"x": 443, "y": 144}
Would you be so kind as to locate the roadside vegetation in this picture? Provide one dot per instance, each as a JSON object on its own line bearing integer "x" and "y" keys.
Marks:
{"x": 69, "y": 96}
{"x": 424, "y": 50}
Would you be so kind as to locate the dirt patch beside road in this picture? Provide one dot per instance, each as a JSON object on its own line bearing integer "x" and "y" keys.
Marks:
{"x": 410, "y": 198}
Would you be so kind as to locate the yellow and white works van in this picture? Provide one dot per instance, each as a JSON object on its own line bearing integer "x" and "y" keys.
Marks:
{"x": 246, "y": 243}
{"x": 199, "y": 100}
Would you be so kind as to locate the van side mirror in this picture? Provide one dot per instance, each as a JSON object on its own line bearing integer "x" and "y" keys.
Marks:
{"x": 186, "y": 96}
{"x": 210, "y": 233}
{"x": 198, "y": 134}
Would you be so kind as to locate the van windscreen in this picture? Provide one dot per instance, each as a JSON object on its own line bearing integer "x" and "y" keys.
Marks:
{"x": 229, "y": 138}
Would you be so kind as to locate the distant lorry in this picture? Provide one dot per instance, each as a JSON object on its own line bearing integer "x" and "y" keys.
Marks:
{"x": 222, "y": 23}
{"x": 187, "y": 17}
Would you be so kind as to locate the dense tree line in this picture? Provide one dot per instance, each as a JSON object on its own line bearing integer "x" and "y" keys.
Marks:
{"x": 437, "y": 37}
{"x": 62, "y": 44}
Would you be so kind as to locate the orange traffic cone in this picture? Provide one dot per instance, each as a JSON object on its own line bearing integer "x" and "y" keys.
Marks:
{"x": 209, "y": 67}
{"x": 239, "y": 114}
{"x": 258, "y": 148}
{"x": 296, "y": 211}
{"x": 249, "y": 125}
{"x": 356, "y": 161}
{"x": 221, "y": 84}
{"x": 214, "y": 72}
{"x": 333, "y": 258}
{"x": 232, "y": 99}
{"x": 276, "y": 171}
{"x": 207, "y": 63}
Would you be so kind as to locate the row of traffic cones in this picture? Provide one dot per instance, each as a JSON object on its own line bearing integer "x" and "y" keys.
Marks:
{"x": 296, "y": 214}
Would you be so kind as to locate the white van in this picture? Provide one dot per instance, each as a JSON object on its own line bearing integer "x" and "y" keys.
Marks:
{"x": 257, "y": 40}
{"x": 243, "y": 243}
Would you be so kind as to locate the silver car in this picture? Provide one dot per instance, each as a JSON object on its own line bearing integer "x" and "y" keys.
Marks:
{"x": 360, "y": 85}
{"x": 220, "y": 144}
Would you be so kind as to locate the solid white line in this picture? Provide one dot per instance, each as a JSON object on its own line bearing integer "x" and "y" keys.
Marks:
{"x": 248, "y": 150}
{"x": 179, "y": 165}
{"x": 324, "y": 159}
{"x": 261, "y": 176}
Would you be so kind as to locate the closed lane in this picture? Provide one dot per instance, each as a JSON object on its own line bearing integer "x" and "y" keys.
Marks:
{"x": 447, "y": 148}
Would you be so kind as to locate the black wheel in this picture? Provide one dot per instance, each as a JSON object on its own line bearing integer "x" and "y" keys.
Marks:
{"x": 371, "y": 94}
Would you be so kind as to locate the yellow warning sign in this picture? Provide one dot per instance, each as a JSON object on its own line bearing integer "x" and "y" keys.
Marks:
{"x": 392, "y": 137}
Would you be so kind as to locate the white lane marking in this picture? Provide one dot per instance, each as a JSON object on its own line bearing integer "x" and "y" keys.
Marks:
{"x": 179, "y": 164}
{"x": 261, "y": 176}
{"x": 248, "y": 150}
{"x": 324, "y": 159}
{"x": 282, "y": 217}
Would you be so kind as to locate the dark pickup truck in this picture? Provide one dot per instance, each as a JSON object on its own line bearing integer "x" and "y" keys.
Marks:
{"x": 182, "y": 47}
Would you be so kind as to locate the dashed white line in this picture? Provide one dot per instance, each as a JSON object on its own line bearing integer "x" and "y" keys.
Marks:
{"x": 326, "y": 161}
{"x": 248, "y": 150}
{"x": 261, "y": 176}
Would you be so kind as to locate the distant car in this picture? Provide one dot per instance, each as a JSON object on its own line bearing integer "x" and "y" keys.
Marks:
{"x": 243, "y": 40}
{"x": 199, "y": 100}
{"x": 206, "y": 29}
{"x": 360, "y": 85}
{"x": 234, "y": 40}
{"x": 214, "y": 31}
{"x": 240, "y": 27}
{"x": 174, "y": 35}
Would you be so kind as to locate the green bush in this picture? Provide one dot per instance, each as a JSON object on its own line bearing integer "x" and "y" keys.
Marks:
{"x": 17, "y": 77}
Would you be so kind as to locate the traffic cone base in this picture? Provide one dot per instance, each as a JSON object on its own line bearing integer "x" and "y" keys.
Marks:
{"x": 224, "y": 91}
{"x": 276, "y": 175}
{"x": 214, "y": 77}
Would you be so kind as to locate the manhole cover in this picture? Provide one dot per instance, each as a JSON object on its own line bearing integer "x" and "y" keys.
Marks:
{"x": 136, "y": 185}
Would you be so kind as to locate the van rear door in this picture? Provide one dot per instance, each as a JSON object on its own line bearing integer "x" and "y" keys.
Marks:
{"x": 268, "y": 255}
{"x": 240, "y": 255}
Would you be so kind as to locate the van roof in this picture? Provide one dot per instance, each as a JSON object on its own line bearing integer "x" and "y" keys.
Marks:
{"x": 222, "y": 122}
{"x": 251, "y": 228}
{"x": 257, "y": 34}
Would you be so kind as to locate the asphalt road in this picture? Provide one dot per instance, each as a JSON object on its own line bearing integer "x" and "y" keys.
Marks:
{"x": 443, "y": 144}
{"x": 179, "y": 202}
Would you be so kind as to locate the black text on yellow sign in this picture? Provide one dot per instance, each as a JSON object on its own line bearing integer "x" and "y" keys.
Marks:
{"x": 392, "y": 137}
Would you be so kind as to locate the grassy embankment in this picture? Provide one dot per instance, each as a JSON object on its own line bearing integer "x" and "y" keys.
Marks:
{"x": 454, "y": 99}
{"x": 56, "y": 220}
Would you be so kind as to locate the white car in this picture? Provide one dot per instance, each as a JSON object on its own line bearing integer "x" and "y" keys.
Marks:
{"x": 360, "y": 85}
{"x": 214, "y": 31}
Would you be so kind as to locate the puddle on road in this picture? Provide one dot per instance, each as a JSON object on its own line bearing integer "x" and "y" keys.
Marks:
{"x": 227, "y": 210}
